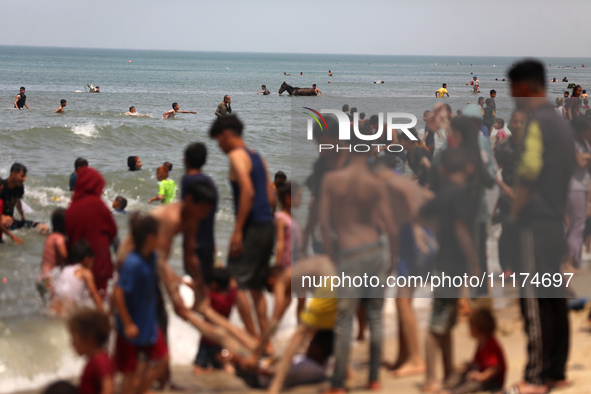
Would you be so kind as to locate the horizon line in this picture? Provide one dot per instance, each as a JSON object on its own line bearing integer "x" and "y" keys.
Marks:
{"x": 280, "y": 53}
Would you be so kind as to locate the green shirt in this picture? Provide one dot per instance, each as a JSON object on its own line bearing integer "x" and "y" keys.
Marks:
{"x": 167, "y": 188}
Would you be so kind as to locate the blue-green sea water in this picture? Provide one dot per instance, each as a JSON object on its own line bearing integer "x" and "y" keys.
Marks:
{"x": 33, "y": 348}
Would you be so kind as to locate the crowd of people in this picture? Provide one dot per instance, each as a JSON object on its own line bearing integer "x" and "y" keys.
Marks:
{"x": 433, "y": 221}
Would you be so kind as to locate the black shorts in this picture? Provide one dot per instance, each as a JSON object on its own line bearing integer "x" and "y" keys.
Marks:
{"x": 251, "y": 267}
{"x": 18, "y": 224}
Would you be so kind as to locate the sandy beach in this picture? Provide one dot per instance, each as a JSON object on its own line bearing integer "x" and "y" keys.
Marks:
{"x": 509, "y": 332}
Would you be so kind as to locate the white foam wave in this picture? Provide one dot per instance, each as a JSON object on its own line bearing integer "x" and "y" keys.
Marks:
{"x": 86, "y": 130}
{"x": 48, "y": 197}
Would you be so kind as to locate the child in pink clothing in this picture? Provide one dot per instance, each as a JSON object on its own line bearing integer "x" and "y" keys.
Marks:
{"x": 55, "y": 251}
{"x": 289, "y": 232}
{"x": 501, "y": 133}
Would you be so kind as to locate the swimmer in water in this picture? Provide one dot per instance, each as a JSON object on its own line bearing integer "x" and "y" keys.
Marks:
{"x": 174, "y": 111}
{"x": 318, "y": 92}
{"x": 60, "y": 109}
{"x": 329, "y": 73}
{"x": 133, "y": 112}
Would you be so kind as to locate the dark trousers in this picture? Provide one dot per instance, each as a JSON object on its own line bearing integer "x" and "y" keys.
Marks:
{"x": 547, "y": 329}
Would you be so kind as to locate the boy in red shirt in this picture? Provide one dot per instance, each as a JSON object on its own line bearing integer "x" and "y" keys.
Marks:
{"x": 222, "y": 295}
{"x": 487, "y": 371}
{"x": 90, "y": 332}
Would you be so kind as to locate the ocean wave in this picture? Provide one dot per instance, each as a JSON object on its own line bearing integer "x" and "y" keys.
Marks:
{"x": 86, "y": 130}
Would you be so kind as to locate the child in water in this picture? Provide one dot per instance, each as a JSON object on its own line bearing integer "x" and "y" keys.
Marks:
{"x": 90, "y": 331}
{"x": 3, "y": 228}
{"x": 119, "y": 204}
{"x": 75, "y": 282}
{"x": 166, "y": 187}
{"x": 55, "y": 252}
{"x": 134, "y": 163}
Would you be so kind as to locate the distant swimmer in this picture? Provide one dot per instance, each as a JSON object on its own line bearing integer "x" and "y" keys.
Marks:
{"x": 329, "y": 73}
{"x": 133, "y": 112}
{"x": 224, "y": 108}
{"x": 60, "y": 109}
{"x": 134, "y": 163}
{"x": 565, "y": 79}
{"x": 442, "y": 91}
{"x": 98, "y": 89}
{"x": 554, "y": 79}
{"x": 378, "y": 81}
{"x": 264, "y": 90}
{"x": 21, "y": 99}
{"x": 318, "y": 92}
{"x": 284, "y": 73}
{"x": 174, "y": 111}
{"x": 301, "y": 73}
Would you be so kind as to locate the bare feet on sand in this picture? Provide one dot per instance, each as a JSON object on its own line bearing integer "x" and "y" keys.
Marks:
{"x": 409, "y": 369}
{"x": 430, "y": 387}
{"x": 374, "y": 386}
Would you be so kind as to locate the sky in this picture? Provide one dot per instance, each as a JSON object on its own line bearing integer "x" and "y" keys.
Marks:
{"x": 414, "y": 27}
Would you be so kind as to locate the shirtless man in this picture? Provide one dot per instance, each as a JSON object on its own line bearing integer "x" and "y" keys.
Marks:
{"x": 133, "y": 112}
{"x": 173, "y": 220}
{"x": 21, "y": 99}
{"x": 364, "y": 198}
{"x": 174, "y": 111}
{"x": 318, "y": 92}
{"x": 60, "y": 109}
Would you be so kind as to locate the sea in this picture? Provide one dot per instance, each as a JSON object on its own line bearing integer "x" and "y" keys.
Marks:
{"x": 34, "y": 347}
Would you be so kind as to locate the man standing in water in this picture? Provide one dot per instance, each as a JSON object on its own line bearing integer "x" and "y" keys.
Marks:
{"x": 21, "y": 99}
{"x": 476, "y": 84}
{"x": 542, "y": 177}
{"x": 224, "y": 108}
{"x": 252, "y": 241}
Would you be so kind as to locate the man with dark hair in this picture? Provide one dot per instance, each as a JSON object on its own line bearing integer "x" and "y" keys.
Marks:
{"x": 264, "y": 91}
{"x": 542, "y": 176}
{"x": 175, "y": 109}
{"x": 78, "y": 164}
{"x": 201, "y": 243}
{"x": 346, "y": 109}
{"x": 493, "y": 95}
{"x": 11, "y": 194}
{"x": 442, "y": 91}
{"x": 316, "y": 90}
{"x": 21, "y": 99}
{"x": 224, "y": 108}
{"x": 252, "y": 241}
{"x": 60, "y": 109}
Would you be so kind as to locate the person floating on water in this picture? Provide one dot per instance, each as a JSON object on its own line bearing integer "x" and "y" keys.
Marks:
{"x": 442, "y": 91}
{"x": 60, "y": 109}
{"x": 318, "y": 92}
{"x": 133, "y": 112}
{"x": 264, "y": 90}
{"x": 21, "y": 99}
{"x": 284, "y": 73}
{"x": 174, "y": 111}
{"x": 224, "y": 108}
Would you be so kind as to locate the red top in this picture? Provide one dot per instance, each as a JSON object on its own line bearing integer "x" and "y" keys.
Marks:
{"x": 221, "y": 303}
{"x": 88, "y": 218}
{"x": 1, "y": 210}
{"x": 490, "y": 355}
{"x": 97, "y": 368}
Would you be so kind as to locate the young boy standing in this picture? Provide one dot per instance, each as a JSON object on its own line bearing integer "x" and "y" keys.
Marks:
{"x": 135, "y": 299}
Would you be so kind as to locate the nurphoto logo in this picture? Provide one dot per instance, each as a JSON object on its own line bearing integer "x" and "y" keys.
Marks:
{"x": 345, "y": 123}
